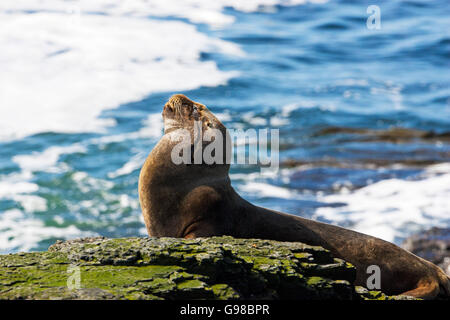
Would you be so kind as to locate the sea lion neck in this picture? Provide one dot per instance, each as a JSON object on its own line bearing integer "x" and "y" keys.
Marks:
{"x": 164, "y": 173}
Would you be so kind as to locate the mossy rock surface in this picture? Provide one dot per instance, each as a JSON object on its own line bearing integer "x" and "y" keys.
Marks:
{"x": 172, "y": 268}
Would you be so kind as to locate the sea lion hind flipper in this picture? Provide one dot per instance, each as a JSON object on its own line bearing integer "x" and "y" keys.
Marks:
{"x": 426, "y": 289}
{"x": 432, "y": 288}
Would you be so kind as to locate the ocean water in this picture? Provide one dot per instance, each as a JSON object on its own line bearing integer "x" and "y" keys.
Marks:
{"x": 364, "y": 115}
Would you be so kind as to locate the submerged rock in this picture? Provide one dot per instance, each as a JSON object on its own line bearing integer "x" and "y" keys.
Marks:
{"x": 432, "y": 245}
{"x": 172, "y": 268}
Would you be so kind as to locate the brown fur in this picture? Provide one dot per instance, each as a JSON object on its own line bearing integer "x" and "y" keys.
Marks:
{"x": 198, "y": 201}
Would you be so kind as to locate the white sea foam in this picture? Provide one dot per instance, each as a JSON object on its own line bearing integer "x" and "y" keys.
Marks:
{"x": 46, "y": 160}
{"x": 31, "y": 203}
{"x": 277, "y": 121}
{"x": 286, "y": 110}
{"x": 255, "y": 121}
{"x": 266, "y": 174}
{"x": 63, "y": 62}
{"x": 266, "y": 190}
{"x": 10, "y": 188}
{"x": 282, "y": 118}
{"x": 16, "y": 187}
{"x": 224, "y": 116}
{"x": 254, "y": 184}
{"x": 389, "y": 209}
{"x": 135, "y": 163}
{"x": 197, "y": 11}
{"x": 19, "y": 232}
{"x": 87, "y": 183}
{"x": 18, "y": 229}
{"x": 352, "y": 82}
{"x": 59, "y": 76}
{"x": 152, "y": 128}
{"x": 393, "y": 209}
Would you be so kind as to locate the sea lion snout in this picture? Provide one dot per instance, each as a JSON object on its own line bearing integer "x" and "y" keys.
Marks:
{"x": 181, "y": 112}
{"x": 181, "y": 107}
{"x": 181, "y": 103}
{"x": 180, "y": 99}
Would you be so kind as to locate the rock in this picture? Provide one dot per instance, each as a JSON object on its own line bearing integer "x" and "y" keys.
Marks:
{"x": 432, "y": 245}
{"x": 172, "y": 268}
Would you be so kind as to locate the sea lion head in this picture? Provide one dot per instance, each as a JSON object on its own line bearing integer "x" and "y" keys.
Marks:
{"x": 181, "y": 114}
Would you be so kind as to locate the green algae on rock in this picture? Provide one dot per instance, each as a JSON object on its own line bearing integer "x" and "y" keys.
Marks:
{"x": 222, "y": 268}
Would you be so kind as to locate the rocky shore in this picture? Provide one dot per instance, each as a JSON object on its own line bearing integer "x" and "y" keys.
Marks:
{"x": 170, "y": 268}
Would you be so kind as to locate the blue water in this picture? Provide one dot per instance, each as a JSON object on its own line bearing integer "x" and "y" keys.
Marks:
{"x": 321, "y": 60}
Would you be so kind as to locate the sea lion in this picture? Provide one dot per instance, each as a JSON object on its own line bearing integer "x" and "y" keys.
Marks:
{"x": 197, "y": 200}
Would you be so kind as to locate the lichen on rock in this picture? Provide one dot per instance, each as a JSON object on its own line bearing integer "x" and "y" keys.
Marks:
{"x": 222, "y": 268}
